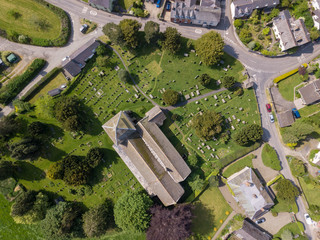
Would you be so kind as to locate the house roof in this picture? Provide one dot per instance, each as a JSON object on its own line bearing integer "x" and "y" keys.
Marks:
{"x": 286, "y": 118}
{"x": 103, "y": 3}
{"x": 251, "y": 231}
{"x": 54, "y": 92}
{"x": 311, "y": 92}
{"x": 246, "y": 7}
{"x": 249, "y": 191}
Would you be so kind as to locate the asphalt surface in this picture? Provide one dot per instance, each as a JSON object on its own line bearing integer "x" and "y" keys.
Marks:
{"x": 263, "y": 69}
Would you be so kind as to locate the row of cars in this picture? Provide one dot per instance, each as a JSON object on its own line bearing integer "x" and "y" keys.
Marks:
{"x": 295, "y": 112}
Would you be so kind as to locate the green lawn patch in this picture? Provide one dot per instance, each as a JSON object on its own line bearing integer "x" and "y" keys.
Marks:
{"x": 309, "y": 110}
{"x": 282, "y": 206}
{"x": 294, "y": 228}
{"x": 210, "y": 208}
{"x": 238, "y": 165}
{"x": 311, "y": 191}
{"x": 126, "y": 4}
{"x": 286, "y": 86}
{"x": 91, "y": 25}
{"x": 270, "y": 157}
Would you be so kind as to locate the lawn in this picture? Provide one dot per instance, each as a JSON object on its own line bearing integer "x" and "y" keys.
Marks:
{"x": 270, "y": 158}
{"x": 286, "y": 86}
{"x": 309, "y": 110}
{"x": 311, "y": 192}
{"x": 282, "y": 206}
{"x": 25, "y": 17}
{"x": 294, "y": 228}
{"x": 238, "y": 165}
{"x": 54, "y": 83}
{"x": 210, "y": 212}
{"x": 125, "y": 4}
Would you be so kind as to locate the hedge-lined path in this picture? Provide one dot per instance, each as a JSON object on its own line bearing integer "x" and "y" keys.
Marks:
{"x": 216, "y": 235}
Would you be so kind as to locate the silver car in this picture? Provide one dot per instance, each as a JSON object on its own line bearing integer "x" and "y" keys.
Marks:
{"x": 271, "y": 118}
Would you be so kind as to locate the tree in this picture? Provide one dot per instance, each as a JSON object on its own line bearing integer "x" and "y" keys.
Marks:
{"x": 170, "y": 224}
{"x": 25, "y": 148}
{"x": 210, "y": 48}
{"x": 98, "y": 219}
{"x": 7, "y": 169}
{"x": 101, "y": 50}
{"x": 37, "y": 128}
{"x": 298, "y": 131}
{"x": 248, "y": 134}
{"x": 102, "y": 61}
{"x": 76, "y": 171}
{"x": 238, "y": 23}
{"x": 297, "y": 167}
{"x": 286, "y": 190}
{"x": 123, "y": 75}
{"x": 151, "y": 30}
{"x": 94, "y": 157}
{"x": 130, "y": 29}
{"x": 285, "y": 3}
{"x": 131, "y": 211}
{"x": 228, "y": 82}
{"x": 238, "y": 92}
{"x": 193, "y": 160}
{"x": 208, "y": 124}
{"x": 23, "y": 203}
{"x": 204, "y": 79}
{"x": 245, "y": 36}
{"x": 56, "y": 170}
{"x": 21, "y": 106}
{"x": 196, "y": 183}
{"x": 9, "y": 125}
{"x": 170, "y": 97}
{"x": 72, "y": 123}
{"x": 286, "y": 235}
{"x": 113, "y": 32}
{"x": 302, "y": 70}
{"x": 214, "y": 181}
{"x": 172, "y": 40}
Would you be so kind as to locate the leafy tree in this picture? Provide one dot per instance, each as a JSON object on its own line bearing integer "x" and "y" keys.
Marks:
{"x": 130, "y": 29}
{"x": 196, "y": 183}
{"x": 56, "y": 170}
{"x": 286, "y": 235}
{"x": 204, "y": 79}
{"x": 24, "y": 148}
{"x": 245, "y": 36}
{"x": 174, "y": 117}
{"x": 210, "y": 48}
{"x": 9, "y": 125}
{"x": 286, "y": 190}
{"x": 130, "y": 211}
{"x": 228, "y": 82}
{"x": 208, "y": 124}
{"x": 102, "y": 61}
{"x": 23, "y": 203}
{"x": 72, "y": 123}
{"x": 21, "y": 106}
{"x": 170, "y": 224}
{"x": 37, "y": 128}
{"x": 193, "y": 160}
{"x": 297, "y": 167}
{"x": 151, "y": 30}
{"x": 76, "y": 171}
{"x": 285, "y": 3}
{"x": 170, "y": 97}
{"x": 101, "y": 50}
{"x": 7, "y": 169}
{"x": 123, "y": 75}
{"x": 98, "y": 219}
{"x": 302, "y": 70}
{"x": 94, "y": 157}
{"x": 298, "y": 131}
{"x": 214, "y": 181}
{"x": 248, "y": 134}
{"x": 113, "y": 32}
{"x": 238, "y": 23}
{"x": 314, "y": 34}
{"x": 172, "y": 40}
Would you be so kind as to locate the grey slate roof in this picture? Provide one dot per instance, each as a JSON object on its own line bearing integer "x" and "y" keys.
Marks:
{"x": 251, "y": 231}
{"x": 54, "y": 92}
{"x": 245, "y": 7}
{"x": 286, "y": 118}
{"x": 103, "y": 3}
{"x": 311, "y": 92}
{"x": 250, "y": 193}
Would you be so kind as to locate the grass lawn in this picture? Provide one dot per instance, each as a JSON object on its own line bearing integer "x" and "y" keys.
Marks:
{"x": 270, "y": 158}
{"x": 282, "y": 206}
{"x": 294, "y": 228}
{"x": 311, "y": 192}
{"x": 210, "y": 209}
{"x": 286, "y": 86}
{"x": 125, "y": 4}
{"x": 238, "y": 165}
{"x": 54, "y": 83}
{"x": 309, "y": 110}
{"x": 27, "y": 13}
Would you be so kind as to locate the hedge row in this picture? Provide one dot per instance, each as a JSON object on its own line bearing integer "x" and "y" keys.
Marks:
{"x": 58, "y": 42}
{"x": 288, "y": 74}
{"x": 47, "y": 78}
{"x": 274, "y": 180}
{"x": 15, "y": 85}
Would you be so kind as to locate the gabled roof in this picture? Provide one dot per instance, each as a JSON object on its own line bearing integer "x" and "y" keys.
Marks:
{"x": 311, "y": 92}
{"x": 251, "y": 231}
{"x": 286, "y": 118}
{"x": 103, "y": 3}
{"x": 246, "y": 7}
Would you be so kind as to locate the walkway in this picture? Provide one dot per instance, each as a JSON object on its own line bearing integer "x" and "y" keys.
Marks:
{"x": 216, "y": 235}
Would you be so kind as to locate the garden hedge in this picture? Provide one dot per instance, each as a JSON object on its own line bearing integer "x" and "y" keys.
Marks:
{"x": 288, "y": 74}
{"x": 275, "y": 179}
{"x": 17, "y": 84}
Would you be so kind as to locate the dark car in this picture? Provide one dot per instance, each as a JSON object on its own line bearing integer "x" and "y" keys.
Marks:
{"x": 296, "y": 113}
{"x": 261, "y": 220}
{"x": 168, "y": 6}
{"x": 268, "y": 107}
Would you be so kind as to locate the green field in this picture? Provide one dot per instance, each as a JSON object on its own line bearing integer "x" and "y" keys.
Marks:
{"x": 210, "y": 208}
{"x": 286, "y": 86}
{"x": 311, "y": 192}
{"x": 30, "y": 18}
{"x": 238, "y": 165}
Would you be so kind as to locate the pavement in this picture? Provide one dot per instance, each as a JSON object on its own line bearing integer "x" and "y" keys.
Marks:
{"x": 274, "y": 224}
{"x": 280, "y": 103}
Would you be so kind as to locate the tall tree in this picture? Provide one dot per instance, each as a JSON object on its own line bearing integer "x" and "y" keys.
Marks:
{"x": 37, "y": 128}
{"x": 204, "y": 79}
{"x": 131, "y": 211}
{"x": 130, "y": 29}
{"x": 9, "y": 125}
{"x": 172, "y": 40}
{"x": 113, "y": 32}
{"x": 249, "y": 134}
{"x": 286, "y": 190}
{"x": 151, "y": 30}
{"x": 123, "y": 75}
{"x": 23, "y": 203}
{"x": 196, "y": 183}
{"x": 170, "y": 97}
{"x": 210, "y": 48}
{"x": 228, "y": 82}
{"x": 7, "y": 169}
{"x": 94, "y": 157}
{"x": 170, "y": 224}
{"x": 76, "y": 171}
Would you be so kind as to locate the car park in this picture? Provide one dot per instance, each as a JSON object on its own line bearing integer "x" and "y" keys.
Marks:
{"x": 268, "y": 106}
{"x": 271, "y": 118}
{"x": 261, "y": 220}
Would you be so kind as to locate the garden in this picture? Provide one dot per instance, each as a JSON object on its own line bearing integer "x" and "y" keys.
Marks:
{"x": 291, "y": 230}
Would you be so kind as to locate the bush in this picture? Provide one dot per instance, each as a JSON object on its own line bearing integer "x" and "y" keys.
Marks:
{"x": 270, "y": 157}
{"x": 245, "y": 36}
{"x": 170, "y": 97}
{"x": 297, "y": 166}
{"x": 288, "y": 74}
{"x": 238, "y": 23}
{"x": 266, "y": 31}
{"x": 275, "y": 180}
{"x": 204, "y": 79}
{"x": 248, "y": 134}
{"x": 238, "y": 92}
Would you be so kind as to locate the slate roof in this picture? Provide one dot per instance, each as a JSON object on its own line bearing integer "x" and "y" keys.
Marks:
{"x": 54, "y": 92}
{"x": 286, "y": 118}
{"x": 250, "y": 193}
{"x": 246, "y": 7}
{"x": 149, "y": 155}
{"x": 311, "y": 92}
{"x": 317, "y": 14}
{"x": 251, "y": 231}
{"x": 156, "y": 115}
{"x": 103, "y": 3}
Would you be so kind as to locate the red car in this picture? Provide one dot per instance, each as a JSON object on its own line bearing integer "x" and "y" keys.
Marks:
{"x": 268, "y": 107}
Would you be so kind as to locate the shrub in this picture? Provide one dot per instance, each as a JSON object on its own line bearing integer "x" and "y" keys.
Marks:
{"x": 297, "y": 166}
{"x": 204, "y": 79}
{"x": 288, "y": 74}
{"x": 170, "y": 97}
{"x": 238, "y": 23}
{"x": 245, "y": 36}
{"x": 270, "y": 157}
{"x": 266, "y": 31}
{"x": 238, "y": 92}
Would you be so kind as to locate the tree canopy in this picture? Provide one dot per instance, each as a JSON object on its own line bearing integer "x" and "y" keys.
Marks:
{"x": 25, "y": 148}
{"x": 7, "y": 169}
{"x": 76, "y": 171}
{"x": 151, "y": 30}
{"x": 204, "y": 79}
{"x": 113, "y": 32}
{"x": 286, "y": 190}
{"x": 123, "y": 75}
{"x": 23, "y": 203}
{"x": 131, "y": 211}
{"x": 299, "y": 130}
{"x": 208, "y": 124}
{"x": 172, "y": 40}
{"x": 209, "y": 47}
{"x": 170, "y": 224}
{"x": 102, "y": 61}
{"x": 248, "y": 134}
{"x": 9, "y": 125}
{"x": 94, "y": 157}
{"x": 130, "y": 29}
{"x": 170, "y": 97}
{"x": 196, "y": 183}
{"x": 228, "y": 82}
{"x": 37, "y": 128}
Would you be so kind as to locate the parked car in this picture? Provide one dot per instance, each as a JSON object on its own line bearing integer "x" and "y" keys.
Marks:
{"x": 168, "y": 6}
{"x": 268, "y": 107}
{"x": 271, "y": 118}
{"x": 84, "y": 28}
{"x": 296, "y": 113}
{"x": 261, "y": 220}
{"x": 308, "y": 218}
{"x": 158, "y": 3}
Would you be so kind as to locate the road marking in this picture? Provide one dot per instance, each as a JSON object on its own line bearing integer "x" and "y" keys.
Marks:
{"x": 84, "y": 10}
{"x": 94, "y": 13}
{"x": 198, "y": 31}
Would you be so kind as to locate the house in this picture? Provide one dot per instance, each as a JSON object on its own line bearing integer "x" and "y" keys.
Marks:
{"x": 12, "y": 58}
{"x": 310, "y": 93}
{"x": 251, "y": 231}
{"x": 73, "y": 65}
{"x": 54, "y": 92}
{"x": 208, "y": 13}
{"x": 244, "y": 8}
{"x": 105, "y": 5}
{"x": 289, "y": 31}
{"x": 250, "y": 193}
{"x": 149, "y": 155}
{"x": 316, "y": 18}
{"x": 285, "y": 119}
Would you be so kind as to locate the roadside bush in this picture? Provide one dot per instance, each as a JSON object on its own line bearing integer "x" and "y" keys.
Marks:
{"x": 270, "y": 157}
{"x": 297, "y": 166}
{"x": 288, "y": 74}
{"x": 238, "y": 23}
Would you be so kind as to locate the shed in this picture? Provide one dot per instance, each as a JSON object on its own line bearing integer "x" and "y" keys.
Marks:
{"x": 54, "y": 92}
{"x": 12, "y": 58}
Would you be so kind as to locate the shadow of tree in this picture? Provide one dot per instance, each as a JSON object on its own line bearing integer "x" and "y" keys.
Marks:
{"x": 29, "y": 172}
{"x": 202, "y": 222}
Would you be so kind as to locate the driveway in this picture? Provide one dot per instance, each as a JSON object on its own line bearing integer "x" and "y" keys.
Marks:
{"x": 281, "y": 104}
{"x": 274, "y": 224}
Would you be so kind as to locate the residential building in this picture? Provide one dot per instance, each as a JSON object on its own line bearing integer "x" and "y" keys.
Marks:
{"x": 73, "y": 65}
{"x": 244, "y": 8}
{"x": 289, "y": 31}
{"x": 315, "y": 4}
{"x": 310, "y": 93}
{"x": 105, "y": 5}
{"x": 149, "y": 155}
{"x": 316, "y": 13}
{"x": 285, "y": 118}
{"x": 251, "y": 231}
{"x": 208, "y": 13}
{"x": 250, "y": 193}
{"x": 316, "y": 159}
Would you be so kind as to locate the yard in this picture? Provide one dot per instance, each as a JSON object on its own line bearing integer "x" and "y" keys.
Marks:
{"x": 286, "y": 86}
{"x": 211, "y": 210}
{"x": 309, "y": 110}
{"x": 29, "y": 18}
{"x": 126, "y": 4}
{"x": 238, "y": 165}
{"x": 311, "y": 191}
{"x": 294, "y": 228}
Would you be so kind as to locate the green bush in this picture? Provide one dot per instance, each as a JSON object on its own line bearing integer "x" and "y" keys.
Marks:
{"x": 275, "y": 180}
{"x": 266, "y": 31}
{"x": 270, "y": 157}
{"x": 288, "y": 74}
{"x": 297, "y": 166}
{"x": 245, "y": 36}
